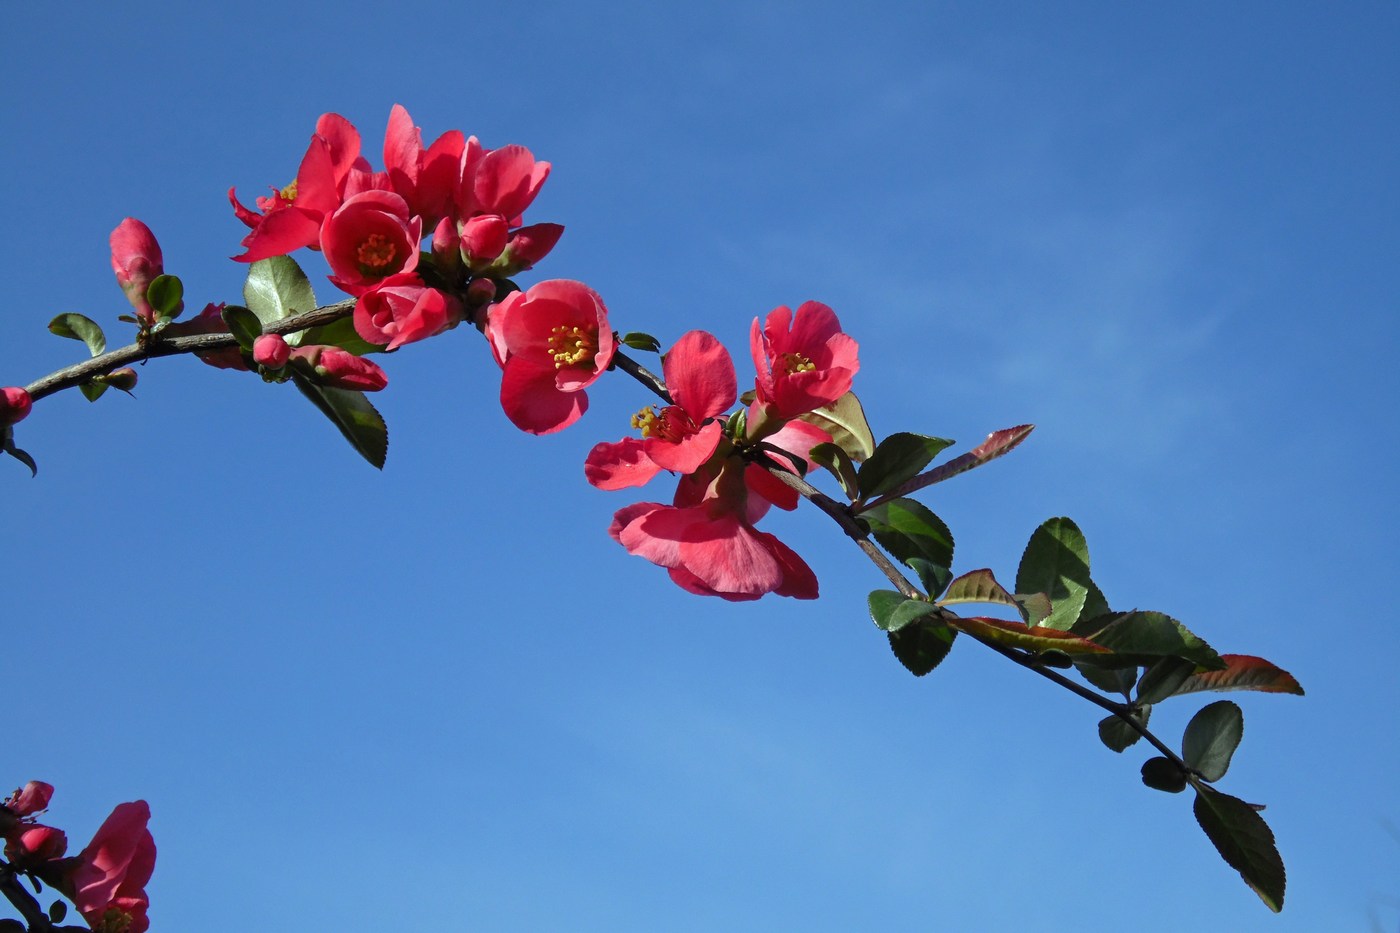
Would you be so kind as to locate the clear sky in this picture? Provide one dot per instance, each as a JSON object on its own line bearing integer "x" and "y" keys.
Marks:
{"x": 439, "y": 697}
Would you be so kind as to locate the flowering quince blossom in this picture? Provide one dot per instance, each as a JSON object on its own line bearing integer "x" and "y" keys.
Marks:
{"x": 107, "y": 881}
{"x": 34, "y": 845}
{"x": 552, "y": 341}
{"x": 369, "y": 238}
{"x": 30, "y": 799}
{"x": 271, "y": 351}
{"x": 803, "y": 361}
{"x": 402, "y": 310}
{"x": 15, "y": 405}
{"x": 340, "y": 369}
{"x": 426, "y": 178}
{"x": 137, "y": 261}
{"x": 699, "y": 375}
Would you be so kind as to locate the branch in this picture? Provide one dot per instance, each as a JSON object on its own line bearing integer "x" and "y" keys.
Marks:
{"x": 158, "y": 345}
{"x": 23, "y": 901}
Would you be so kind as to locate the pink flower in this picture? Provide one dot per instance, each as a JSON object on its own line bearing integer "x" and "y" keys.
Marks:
{"x": 552, "y": 341}
{"x": 271, "y": 351}
{"x": 498, "y": 181}
{"x": 137, "y": 261}
{"x": 700, "y": 377}
{"x": 15, "y": 405}
{"x": 107, "y": 881}
{"x": 35, "y": 844}
{"x": 32, "y": 798}
{"x": 527, "y": 246}
{"x": 369, "y": 238}
{"x": 484, "y": 237}
{"x": 803, "y": 362}
{"x": 402, "y": 310}
{"x": 292, "y": 217}
{"x": 426, "y": 179}
{"x": 340, "y": 369}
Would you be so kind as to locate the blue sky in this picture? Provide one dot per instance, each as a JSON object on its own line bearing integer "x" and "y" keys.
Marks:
{"x": 440, "y": 696}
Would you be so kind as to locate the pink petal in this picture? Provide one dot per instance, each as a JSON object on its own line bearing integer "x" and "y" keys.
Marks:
{"x": 533, "y": 403}
{"x": 687, "y": 454}
{"x": 620, "y": 465}
{"x": 280, "y": 233}
{"x": 700, "y": 374}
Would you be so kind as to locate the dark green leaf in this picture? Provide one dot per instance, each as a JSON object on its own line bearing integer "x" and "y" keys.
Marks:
{"x": 165, "y": 294}
{"x": 1143, "y": 637}
{"x": 340, "y": 333}
{"x": 1211, "y": 738}
{"x": 922, "y": 646}
{"x": 243, "y": 324}
{"x": 1119, "y": 735}
{"x": 844, "y": 420}
{"x": 640, "y": 341}
{"x": 57, "y": 911}
{"x": 897, "y": 459}
{"x": 1162, "y": 679}
{"x": 78, "y": 327}
{"x": 907, "y": 529}
{"x": 1244, "y": 841}
{"x": 882, "y": 605}
{"x": 1243, "y": 672}
{"x": 933, "y": 577}
{"x": 839, "y": 464}
{"x": 894, "y": 614}
{"x": 1056, "y": 562}
{"x": 353, "y": 415}
{"x": 1095, "y": 604}
{"x": 1107, "y": 679}
{"x": 277, "y": 288}
{"x": 92, "y": 391}
{"x": 1163, "y": 774}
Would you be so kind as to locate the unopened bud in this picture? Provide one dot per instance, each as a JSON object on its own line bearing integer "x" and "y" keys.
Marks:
{"x": 14, "y": 405}
{"x": 483, "y": 239}
{"x": 35, "y": 845}
{"x": 271, "y": 351}
{"x": 480, "y": 293}
{"x": 124, "y": 379}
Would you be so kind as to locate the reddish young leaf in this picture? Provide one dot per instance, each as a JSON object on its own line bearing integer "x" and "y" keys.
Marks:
{"x": 1031, "y": 637}
{"x": 1242, "y": 672}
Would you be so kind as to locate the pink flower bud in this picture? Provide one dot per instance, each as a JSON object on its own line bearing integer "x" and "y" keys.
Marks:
{"x": 483, "y": 239}
{"x": 35, "y": 845}
{"x": 529, "y": 245}
{"x": 341, "y": 369}
{"x": 32, "y": 798}
{"x": 272, "y": 351}
{"x": 137, "y": 261}
{"x": 14, "y": 408}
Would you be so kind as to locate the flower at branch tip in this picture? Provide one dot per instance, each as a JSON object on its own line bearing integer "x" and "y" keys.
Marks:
{"x": 803, "y": 361}
{"x": 32, "y": 797}
{"x": 34, "y": 844}
{"x": 340, "y": 369}
{"x": 369, "y": 238}
{"x": 552, "y": 341}
{"x": 271, "y": 351}
{"x": 137, "y": 261}
{"x": 15, "y": 404}
{"x": 403, "y": 310}
{"x": 107, "y": 880}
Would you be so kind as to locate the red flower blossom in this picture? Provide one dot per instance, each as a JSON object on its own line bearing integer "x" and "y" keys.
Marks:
{"x": 137, "y": 261}
{"x": 369, "y": 238}
{"x": 33, "y": 844}
{"x": 552, "y": 342}
{"x": 107, "y": 881}
{"x": 803, "y": 362}
{"x": 402, "y": 310}
{"x": 340, "y": 369}
{"x": 31, "y": 798}
{"x": 498, "y": 181}
{"x": 426, "y": 179}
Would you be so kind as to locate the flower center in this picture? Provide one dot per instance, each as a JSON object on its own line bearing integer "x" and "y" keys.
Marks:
{"x": 289, "y": 193}
{"x": 114, "y": 920}
{"x": 375, "y": 254}
{"x": 572, "y": 346}
{"x": 796, "y": 363}
{"x": 672, "y": 424}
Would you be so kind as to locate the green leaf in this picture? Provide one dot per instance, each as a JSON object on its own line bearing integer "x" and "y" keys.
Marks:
{"x": 882, "y": 604}
{"x": 277, "y": 288}
{"x": 844, "y": 420}
{"x": 640, "y": 341}
{"x": 1118, "y": 735}
{"x": 165, "y": 294}
{"x": 92, "y": 391}
{"x": 837, "y": 462}
{"x": 1095, "y": 604}
{"x": 353, "y": 415}
{"x": 1029, "y": 637}
{"x": 1140, "y": 638}
{"x": 1211, "y": 738}
{"x": 922, "y": 646}
{"x": 897, "y": 459}
{"x": 1107, "y": 679}
{"x": 1035, "y": 607}
{"x": 57, "y": 911}
{"x": 1163, "y": 774}
{"x": 78, "y": 327}
{"x": 243, "y": 324}
{"x": 977, "y": 586}
{"x": 1242, "y": 672}
{"x": 1244, "y": 841}
{"x": 1162, "y": 679}
{"x": 340, "y": 333}
{"x": 1056, "y": 563}
{"x": 908, "y": 530}
{"x": 892, "y": 616}
{"x": 933, "y": 577}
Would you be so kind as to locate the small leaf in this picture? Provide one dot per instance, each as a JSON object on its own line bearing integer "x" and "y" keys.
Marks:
{"x": 78, "y": 327}
{"x": 837, "y": 462}
{"x": 640, "y": 341}
{"x": 1211, "y": 738}
{"x": 1095, "y": 604}
{"x": 1163, "y": 774}
{"x": 933, "y": 577}
{"x": 1143, "y": 637}
{"x": 1162, "y": 679}
{"x": 340, "y": 333}
{"x": 243, "y": 324}
{"x": 165, "y": 294}
{"x": 897, "y": 459}
{"x": 844, "y": 420}
{"x": 1056, "y": 562}
{"x": 353, "y": 415}
{"x": 20, "y": 455}
{"x": 277, "y": 288}
{"x": 1020, "y": 635}
{"x": 1035, "y": 607}
{"x": 1242, "y": 672}
{"x": 882, "y": 604}
{"x": 977, "y": 586}
{"x": 996, "y": 444}
{"x": 1244, "y": 841}
{"x": 1107, "y": 679}
{"x": 907, "y": 529}
{"x": 1119, "y": 735}
{"x": 922, "y": 646}
{"x": 92, "y": 391}
{"x": 57, "y": 911}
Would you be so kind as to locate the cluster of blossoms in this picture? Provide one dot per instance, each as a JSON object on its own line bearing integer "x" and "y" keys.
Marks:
{"x": 106, "y": 881}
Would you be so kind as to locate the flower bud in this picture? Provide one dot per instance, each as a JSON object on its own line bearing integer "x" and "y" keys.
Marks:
{"x": 271, "y": 351}
{"x": 341, "y": 369}
{"x": 30, "y": 799}
{"x": 36, "y": 845}
{"x": 14, "y": 406}
{"x": 527, "y": 246}
{"x": 137, "y": 261}
{"x": 483, "y": 239}
{"x": 124, "y": 379}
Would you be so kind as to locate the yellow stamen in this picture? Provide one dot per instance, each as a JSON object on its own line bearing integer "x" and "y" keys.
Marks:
{"x": 645, "y": 421}
{"x": 375, "y": 254}
{"x": 572, "y": 346}
{"x": 797, "y": 363}
{"x": 289, "y": 193}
